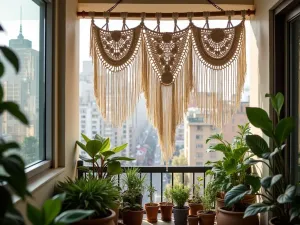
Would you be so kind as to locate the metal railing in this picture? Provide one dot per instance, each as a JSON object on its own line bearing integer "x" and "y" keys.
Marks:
{"x": 193, "y": 171}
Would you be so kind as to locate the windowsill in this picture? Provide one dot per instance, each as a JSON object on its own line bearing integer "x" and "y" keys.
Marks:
{"x": 39, "y": 179}
{"x": 37, "y": 169}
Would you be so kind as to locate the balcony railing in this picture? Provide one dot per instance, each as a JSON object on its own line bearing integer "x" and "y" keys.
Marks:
{"x": 192, "y": 171}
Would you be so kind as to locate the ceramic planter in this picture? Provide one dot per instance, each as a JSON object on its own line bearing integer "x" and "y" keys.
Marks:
{"x": 276, "y": 221}
{"x": 193, "y": 220}
{"x": 152, "y": 211}
{"x": 133, "y": 217}
{"x": 194, "y": 208}
{"x": 207, "y": 218}
{"x": 248, "y": 199}
{"x": 166, "y": 210}
{"x": 109, "y": 220}
{"x": 226, "y": 217}
{"x": 180, "y": 215}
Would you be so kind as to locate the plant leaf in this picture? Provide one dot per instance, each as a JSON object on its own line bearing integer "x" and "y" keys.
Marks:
{"x": 288, "y": 195}
{"x": 2, "y": 70}
{"x": 260, "y": 119}
{"x": 257, "y": 145}
{"x": 11, "y": 57}
{"x": 34, "y": 215}
{"x": 230, "y": 165}
{"x": 72, "y": 216}
{"x": 120, "y": 148}
{"x": 254, "y": 182}
{"x": 85, "y": 137}
{"x": 14, "y": 110}
{"x": 6, "y": 201}
{"x": 277, "y": 101}
{"x": 256, "y": 208}
{"x": 107, "y": 154}
{"x": 269, "y": 181}
{"x": 294, "y": 212}
{"x": 114, "y": 168}
{"x": 105, "y": 145}
{"x": 6, "y": 146}
{"x": 284, "y": 129}
{"x": 122, "y": 158}
{"x": 81, "y": 145}
{"x": 236, "y": 194}
{"x": 51, "y": 209}
{"x": 98, "y": 137}
{"x": 93, "y": 147}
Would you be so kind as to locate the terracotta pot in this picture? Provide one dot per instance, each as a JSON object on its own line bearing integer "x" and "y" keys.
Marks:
{"x": 116, "y": 210}
{"x": 193, "y": 220}
{"x": 166, "y": 210}
{"x": 194, "y": 208}
{"x": 206, "y": 218}
{"x": 133, "y": 217}
{"x": 248, "y": 199}
{"x": 276, "y": 221}
{"x": 235, "y": 218}
{"x": 152, "y": 211}
{"x": 219, "y": 203}
{"x": 109, "y": 220}
{"x": 180, "y": 215}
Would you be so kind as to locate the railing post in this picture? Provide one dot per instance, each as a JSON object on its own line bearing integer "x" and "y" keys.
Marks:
{"x": 161, "y": 187}
{"x": 79, "y": 172}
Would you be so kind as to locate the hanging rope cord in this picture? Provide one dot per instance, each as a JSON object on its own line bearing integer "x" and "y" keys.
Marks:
{"x": 114, "y": 6}
{"x": 215, "y": 5}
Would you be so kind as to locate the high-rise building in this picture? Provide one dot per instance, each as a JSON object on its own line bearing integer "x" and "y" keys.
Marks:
{"x": 197, "y": 130}
{"x": 23, "y": 89}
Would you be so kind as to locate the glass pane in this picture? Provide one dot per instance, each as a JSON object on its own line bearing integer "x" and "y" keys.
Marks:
{"x": 24, "y": 34}
{"x": 295, "y": 95}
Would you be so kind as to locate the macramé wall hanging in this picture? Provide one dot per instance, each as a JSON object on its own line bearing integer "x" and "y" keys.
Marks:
{"x": 200, "y": 65}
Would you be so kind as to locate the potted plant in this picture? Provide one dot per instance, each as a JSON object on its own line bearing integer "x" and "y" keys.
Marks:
{"x": 132, "y": 212}
{"x": 232, "y": 169}
{"x": 133, "y": 185}
{"x": 166, "y": 208}
{"x": 104, "y": 162}
{"x": 151, "y": 208}
{"x": 195, "y": 203}
{"x": 207, "y": 215}
{"x": 90, "y": 194}
{"x": 277, "y": 194}
{"x": 180, "y": 195}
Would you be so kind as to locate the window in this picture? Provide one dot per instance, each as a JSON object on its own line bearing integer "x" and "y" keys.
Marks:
{"x": 199, "y": 155}
{"x": 199, "y": 163}
{"x": 199, "y": 145}
{"x": 199, "y": 128}
{"x": 199, "y": 137}
{"x": 25, "y": 34}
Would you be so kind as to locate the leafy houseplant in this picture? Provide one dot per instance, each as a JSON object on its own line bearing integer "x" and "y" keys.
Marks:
{"x": 166, "y": 207}
{"x": 101, "y": 157}
{"x": 92, "y": 194}
{"x": 195, "y": 203}
{"x": 232, "y": 169}
{"x": 151, "y": 208}
{"x": 50, "y": 213}
{"x": 277, "y": 195}
{"x": 207, "y": 215}
{"x": 180, "y": 195}
{"x": 133, "y": 185}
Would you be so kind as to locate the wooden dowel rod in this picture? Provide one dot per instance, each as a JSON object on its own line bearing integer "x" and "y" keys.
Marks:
{"x": 84, "y": 14}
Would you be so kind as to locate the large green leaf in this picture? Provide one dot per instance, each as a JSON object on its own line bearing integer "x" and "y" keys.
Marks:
{"x": 257, "y": 145}
{"x": 85, "y": 138}
{"x": 98, "y": 137}
{"x": 107, "y": 154}
{"x": 254, "y": 182}
{"x": 256, "y": 208}
{"x": 253, "y": 161}
{"x": 6, "y": 146}
{"x": 14, "y": 110}
{"x": 81, "y": 145}
{"x": 239, "y": 153}
{"x": 260, "y": 119}
{"x": 294, "y": 212}
{"x": 93, "y": 147}
{"x": 14, "y": 166}
{"x": 230, "y": 165}
{"x": 51, "y": 209}
{"x": 72, "y": 216}
{"x": 2, "y": 70}
{"x": 114, "y": 168}
{"x": 11, "y": 57}
{"x": 288, "y": 195}
{"x": 269, "y": 181}
{"x": 284, "y": 129}
{"x": 120, "y": 148}
{"x": 105, "y": 145}
{"x": 276, "y": 151}
{"x": 34, "y": 215}
{"x": 236, "y": 194}
{"x": 277, "y": 101}
{"x": 121, "y": 158}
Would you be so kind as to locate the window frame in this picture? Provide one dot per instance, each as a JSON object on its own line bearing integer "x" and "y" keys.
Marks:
{"x": 46, "y": 79}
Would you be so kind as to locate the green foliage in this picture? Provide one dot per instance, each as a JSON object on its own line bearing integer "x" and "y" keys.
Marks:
{"x": 180, "y": 195}
{"x": 92, "y": 194}
{"x": 167, "y": 194}
{"x": 13, "y": 166}
{"x": 50, "y": 214}
{"x": 278, "y": 196}
{"x": 197, "y": 199}
{"x": 101, "y": 156}
{"x": 209, "y": 197}
{"x": 232, "y": 169}
{"x": 151, "y": 190}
